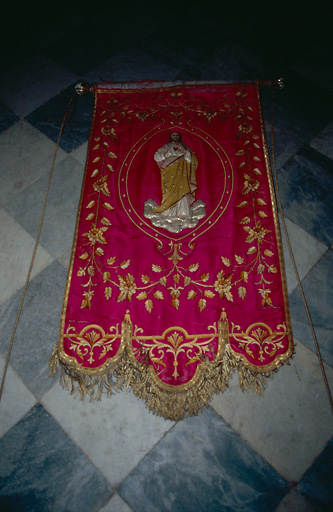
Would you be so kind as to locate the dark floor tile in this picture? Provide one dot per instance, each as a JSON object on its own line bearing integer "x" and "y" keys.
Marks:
{"x": 317, "y": 484}
{"x": 319, "y": 297}
{"x": 41, "y": 469}
{"x": 7, "y": 118}
{"x": 48, "y": 118}
{"x": 306, "y": 184}
{"x": 202, "y": 465}
{"x": 38, "y": 328}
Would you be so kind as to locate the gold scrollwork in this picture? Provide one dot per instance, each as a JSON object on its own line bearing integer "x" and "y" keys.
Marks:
{"x": 89, "y": 339}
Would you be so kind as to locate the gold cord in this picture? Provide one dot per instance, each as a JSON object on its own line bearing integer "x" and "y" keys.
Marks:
{"x": 293, "y": 259}
{"x": 35, "y": 247}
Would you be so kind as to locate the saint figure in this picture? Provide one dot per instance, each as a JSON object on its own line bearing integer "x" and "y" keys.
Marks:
{"x": 178, "y": 165}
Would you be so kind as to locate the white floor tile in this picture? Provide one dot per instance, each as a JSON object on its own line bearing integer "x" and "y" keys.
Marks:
{"x": 16, "y": 399}
{"x": 115, "y": 433}
{"x": 294, "y": 502}
{"x": 292, "y": 423}
{"x": 29, "y": 85}
{"x": 25, "y": 155}
{"x": 16, "y": 249}
{"x": 324, "y": 141}
{"x": 307, "y": 251}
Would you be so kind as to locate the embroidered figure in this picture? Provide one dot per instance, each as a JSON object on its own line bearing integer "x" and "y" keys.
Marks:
{"x": 178, "y": 165}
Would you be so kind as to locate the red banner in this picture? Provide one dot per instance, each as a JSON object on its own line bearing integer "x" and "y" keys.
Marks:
{"x": 176, "y": 277}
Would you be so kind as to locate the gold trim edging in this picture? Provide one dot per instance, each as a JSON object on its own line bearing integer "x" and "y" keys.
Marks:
{"x": 170, "y": 402}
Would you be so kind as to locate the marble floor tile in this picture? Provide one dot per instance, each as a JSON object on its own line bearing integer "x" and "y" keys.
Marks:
{"x": 7, "y": 118}
{"x": 16, "y": 250}
{"x": 16, "y": 399}
{"x": 61, "y": 209}
{"x": 201, "y": 464}
{"x": 126, "y": 430}
{"x": 295, "y": 502}
{"x": 323, "y": 142}
{"x": 131, "y": 65}
{"x": 116, "y": 504}
{"x": 29, "y": 85}
{"x": 25, "y": 155}
{"x": 80, "y": 153}
{"x": 305, "y": 184}
{"x": 306, "y": 249}
{"x": 319, "y": 297}
{"x": 48, "y": 117}
{"x": 38, "y": 327}
{"x": 41, "y": 469}
{"x": 285, "y": 146}
{"x": 65, "y": 258}
{"x": 292, "y": 423}
{"x": 317, "y": 484}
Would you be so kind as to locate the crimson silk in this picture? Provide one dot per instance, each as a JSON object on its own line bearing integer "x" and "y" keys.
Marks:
{"x": 175, "y": 286}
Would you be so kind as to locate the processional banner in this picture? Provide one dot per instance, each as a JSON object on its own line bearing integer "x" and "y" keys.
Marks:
{"x": 176, "y": 277}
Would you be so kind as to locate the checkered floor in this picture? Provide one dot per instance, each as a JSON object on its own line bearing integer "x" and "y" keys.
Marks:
{"x": 243, "y": 453}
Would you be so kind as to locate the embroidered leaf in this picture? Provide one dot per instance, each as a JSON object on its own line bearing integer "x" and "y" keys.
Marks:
{"x": 242, "y": 204}
{"x": 97, "y": 146}
{"x": 245, "y": 220}
{"x": 106, "y": 276}
{"x": 191, "y": 294}
{"x": 261, "y": 201}
{"x": 85, "y": 304}
{"x": 256, "y": 145}
{"x": 163, "y": 281}
{"x": 81, "y": 272}
{"x": 239, "y": 259}
{"x": 94, "y": 173}
{"x": 156, "y": 268}
{"x": 208, "y": 293}
{"x": 193, "y": 267}
{"x": 158, "y": 295}
{"x": 256, "y": 159}
{"x": 187, "y": 281}
{"x": 91, "y": 204}
{"x": 100, "y": 251}
{"x": 244, "y": 276}
{"x": 91, "y": 270}
{"x": 256, "y": 137}
{"x": 257, "y": 171}
{"x": 175, "y": 303}
{"x": 226, "y": 261}
{"x": 90, "y": 216}
{"x": 97, "y": 139}
{"x": 106, "y": 144}
{"x": 176, "y": 278}
{"x": 105, "y": 221}
{"x": 149, "y": 305}
{"x": 125, "y": 264}
{"x": 243, "y": 164}
{"x": 229, "y": 296}
{"x": 110, "y": 261}
{"x": 108, "y": 206}
{"x": 110, "y": 167}
{"x": 97, "y": 159}
{"x": 145, "y": 279}
{"x": 272, "y": 269}
{"x": 202, "y": 304}
{"x": 240, "y": 152}
{"x": 112, "y": 155}
{"x": 267, "y": 252}
{"x": 84, "y": 256}
{"x": 250, "y": 108}
{"x": 108, "y": 292}
{"x": 251, "y": 250}
{"x": 262, "y": 214}
{"x": 205, "y": 277}
{"x": 141, "y": 296}
{"x": 242, "y": 292}
{"x": 260, "y": 268}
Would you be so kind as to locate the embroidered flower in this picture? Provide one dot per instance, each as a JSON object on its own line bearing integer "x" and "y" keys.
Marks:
{"x": 96, "y": 236}
{"x": 249, "y": 184}
{"x": 256, "y": 233}
{"x": 127, "y": 287}
{"x": 245, "y": 128}
{"x": 223, "y": 285}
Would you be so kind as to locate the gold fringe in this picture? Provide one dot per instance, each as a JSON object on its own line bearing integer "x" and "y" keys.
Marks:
{"x": 139, "y": 376}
